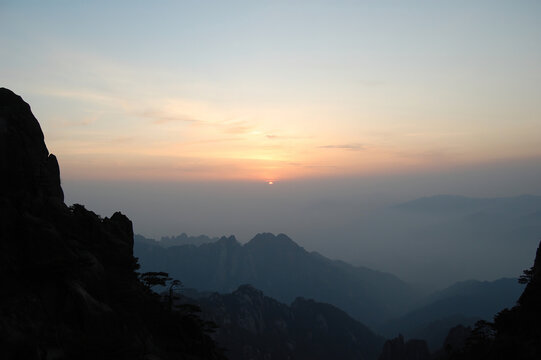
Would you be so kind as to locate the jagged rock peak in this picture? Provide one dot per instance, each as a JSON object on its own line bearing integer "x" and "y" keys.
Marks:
{"x": 248, "y": 290}
{"x": 456, "y": 339}
{"x": 29, "y": 172}
{"x": 266, "y": 239}
{"x": 228, "y": 241}
{"x": 300, "y": 301}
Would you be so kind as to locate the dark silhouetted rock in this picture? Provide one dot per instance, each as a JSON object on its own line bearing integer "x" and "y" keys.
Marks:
{"x": 69, "y": 287}
{"x": 518, "y": 330}
{"x": 29, "y": 172}
{"x": 454, "y": 343}
{"x": 396, "y": 349}
{"x": 254, "y": 326}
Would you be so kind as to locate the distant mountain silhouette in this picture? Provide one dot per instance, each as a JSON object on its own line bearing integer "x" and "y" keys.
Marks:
{"x": 448, "y": 204}
{"x": 514, "y": 334}
{"x": 69, "y": 287}
{"x": 254, "y": 326}
{"x": 182, "y": 239}
{"x": 463, "y": 303}
{"x": 488, "y": 237}
{"x": 283, "y": 270}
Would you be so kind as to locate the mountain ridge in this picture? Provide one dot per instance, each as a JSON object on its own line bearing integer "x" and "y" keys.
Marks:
{"x": 463, "y": 303}
{"x": 284, "y": 270}
{"x": 446, "y": 203}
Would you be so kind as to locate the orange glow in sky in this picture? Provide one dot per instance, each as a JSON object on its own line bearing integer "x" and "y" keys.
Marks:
{"x": 344, "y": 90}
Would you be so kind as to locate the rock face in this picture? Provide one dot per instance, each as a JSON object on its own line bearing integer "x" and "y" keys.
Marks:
{"x": 29, "y": 172}
{"x": 518, "y": 330}
{"x": 396, "y": 349}
{"x": 254, "y": 326}
{"x": 454, "y": 342}
{"x": 69, "y": 287}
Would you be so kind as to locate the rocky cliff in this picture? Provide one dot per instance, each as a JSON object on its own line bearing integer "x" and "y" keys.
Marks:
{"x": 254, "y": 326}
{"x": 69, "y": 286}
{"x": 514, "y": 334}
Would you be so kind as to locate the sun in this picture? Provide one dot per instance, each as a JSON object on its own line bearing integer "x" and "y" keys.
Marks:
{"x": 270, "y": 182}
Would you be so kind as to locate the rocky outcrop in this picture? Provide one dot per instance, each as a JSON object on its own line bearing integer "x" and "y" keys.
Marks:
{"x": 29, "y": 172}
{"x": 518, "y": 330}
{"x": 254, "y": 326}
{"x": 397, "y": 349}
{"x": 69, "y": 287}
{"x": 454, "y": 342}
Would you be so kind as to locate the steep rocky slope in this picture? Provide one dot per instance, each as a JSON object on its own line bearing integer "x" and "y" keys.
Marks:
{"x": 69, "y": 287}
{"x": 254, "y": 326}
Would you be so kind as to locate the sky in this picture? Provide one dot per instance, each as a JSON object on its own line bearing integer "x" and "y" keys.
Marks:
{"x": 260, "y": 91}
{"x": 200, "y": 104}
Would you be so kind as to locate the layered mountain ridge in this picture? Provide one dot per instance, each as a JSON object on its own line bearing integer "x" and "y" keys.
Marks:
{"x": 284, "y": 271}
{"x": 462, "y": 303}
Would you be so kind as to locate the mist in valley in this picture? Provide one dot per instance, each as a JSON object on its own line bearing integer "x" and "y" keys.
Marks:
{"x": 360, "y": 221}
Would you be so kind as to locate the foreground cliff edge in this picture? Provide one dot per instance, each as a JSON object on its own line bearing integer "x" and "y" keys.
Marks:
{"x": 515, "y": 333}
{"x": 69, "y": 284}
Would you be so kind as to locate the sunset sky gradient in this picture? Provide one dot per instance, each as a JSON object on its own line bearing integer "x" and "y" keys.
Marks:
{"x": 249, "y": 90}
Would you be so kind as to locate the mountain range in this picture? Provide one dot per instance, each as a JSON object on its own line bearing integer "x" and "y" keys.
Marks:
{"x": 463, "y": 237}
{"x": 283, "y": 270}
{"x": 454, "y": 204}
{"x": 515, "y": 333}
{"x": 463, "y": 303}
{"x": 182, "y": 239}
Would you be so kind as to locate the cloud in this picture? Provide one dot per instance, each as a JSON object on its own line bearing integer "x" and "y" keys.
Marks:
{"x": 160, "y": 117}
{"x": 286, "y": 137}
{"x": 308, "y": 166}
{"x": 123, "y": 139}
{"x": 236, "y": 127}
{"x": 353, "y": 147}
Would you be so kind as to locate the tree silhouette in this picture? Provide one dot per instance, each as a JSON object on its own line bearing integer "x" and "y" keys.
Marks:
{"x": 526, "y": 276}
{"x": 173, "y": 286}
{"x": 151, "y": 279}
